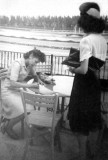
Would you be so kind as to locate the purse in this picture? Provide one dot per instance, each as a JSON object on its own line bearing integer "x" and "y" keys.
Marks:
{"x": 104, "y": 88}
{"x": 73, "y": 60}
{"x": 103, "y": 84}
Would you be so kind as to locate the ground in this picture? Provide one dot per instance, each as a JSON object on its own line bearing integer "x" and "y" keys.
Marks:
{"x": 13, "y": 149}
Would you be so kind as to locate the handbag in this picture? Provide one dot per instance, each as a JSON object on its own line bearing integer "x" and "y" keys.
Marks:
{"x": 104, "y": 88}
{"x": 103, "y": 84}
{"x": 73, "y": 60}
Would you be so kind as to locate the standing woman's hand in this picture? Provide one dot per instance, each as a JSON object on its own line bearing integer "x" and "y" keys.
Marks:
{"x": 3, "y": 73}
{"x": 72, "y": 69}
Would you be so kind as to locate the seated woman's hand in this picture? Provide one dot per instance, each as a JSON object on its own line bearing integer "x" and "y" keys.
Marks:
{"x": 34, "y": 85}
{"x": 40, "y": 82}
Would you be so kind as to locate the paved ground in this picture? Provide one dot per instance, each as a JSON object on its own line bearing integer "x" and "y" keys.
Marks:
{"x": 13, "y": 149}
{"x": 103, "y": 154}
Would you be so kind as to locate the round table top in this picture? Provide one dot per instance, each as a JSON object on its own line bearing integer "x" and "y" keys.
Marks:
{"x": 63, "y": 86}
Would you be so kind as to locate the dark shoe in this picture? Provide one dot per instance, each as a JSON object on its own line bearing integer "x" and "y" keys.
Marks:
{"x": 4, "y": 124}
{"x": 12, "y": 134}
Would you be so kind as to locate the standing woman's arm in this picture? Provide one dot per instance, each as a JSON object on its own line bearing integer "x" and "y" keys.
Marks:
{"x": 82, "y": 69}
{"x": 85, "y": 54}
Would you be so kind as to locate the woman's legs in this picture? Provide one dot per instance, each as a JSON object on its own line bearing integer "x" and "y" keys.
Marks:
{"x": 92, "y": 140}
{"x": 15, "y": 120}
{"x": 12, "y": 122}
{"x": 82, "y": 140}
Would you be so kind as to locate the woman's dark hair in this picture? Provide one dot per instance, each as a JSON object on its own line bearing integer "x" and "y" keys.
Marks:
{"x": 36, "y": 53}
{"x": 91, "y": 24}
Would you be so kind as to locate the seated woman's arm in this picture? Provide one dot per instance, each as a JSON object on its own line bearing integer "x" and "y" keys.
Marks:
{"x": 23, "y": 85}
{"x": 15, "y": 70}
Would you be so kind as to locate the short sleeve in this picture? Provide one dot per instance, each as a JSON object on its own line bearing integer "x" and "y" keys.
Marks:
{"x": 15, "y": 69}
{"x": 85, "y": 49}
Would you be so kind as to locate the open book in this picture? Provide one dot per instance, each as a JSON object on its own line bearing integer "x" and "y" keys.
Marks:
{"x": 39, "y": 76}
{"x": 43, "y": 89}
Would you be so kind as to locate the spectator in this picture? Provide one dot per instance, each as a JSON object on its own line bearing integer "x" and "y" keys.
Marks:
{"x": 84, "y": 106}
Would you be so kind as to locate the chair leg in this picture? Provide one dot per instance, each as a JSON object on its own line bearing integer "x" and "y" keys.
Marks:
{"x": 58, "y": 138}
{"x": 52, "y": 145}
{"x": 25, "y": 149}
{"x": 59, "y": 143}
{"x": 22, "y": 128}
{"x": 26, "y": 143}
{"x": 31, "y": 135}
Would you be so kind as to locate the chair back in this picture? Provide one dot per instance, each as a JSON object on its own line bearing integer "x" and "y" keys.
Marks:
{"x": 48, "y": 102}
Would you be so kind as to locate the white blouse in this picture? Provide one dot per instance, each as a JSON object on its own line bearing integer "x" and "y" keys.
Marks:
{"x": 93, "y": 45}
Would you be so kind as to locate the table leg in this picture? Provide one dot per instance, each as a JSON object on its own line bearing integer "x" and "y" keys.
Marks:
{"x": 62, "y": 110}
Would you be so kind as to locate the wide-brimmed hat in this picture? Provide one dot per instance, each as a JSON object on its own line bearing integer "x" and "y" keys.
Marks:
{"x": 90, "y": 8}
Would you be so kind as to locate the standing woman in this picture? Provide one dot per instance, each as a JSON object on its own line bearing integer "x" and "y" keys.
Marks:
{"x": 85, "y": 105}
{"x": 12, "y": 104}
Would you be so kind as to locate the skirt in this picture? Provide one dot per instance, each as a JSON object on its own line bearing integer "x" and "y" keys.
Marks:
{"x": 85, "y": 104}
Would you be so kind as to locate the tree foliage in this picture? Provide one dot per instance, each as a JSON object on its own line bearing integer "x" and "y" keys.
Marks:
{"x": 53, "y": 23}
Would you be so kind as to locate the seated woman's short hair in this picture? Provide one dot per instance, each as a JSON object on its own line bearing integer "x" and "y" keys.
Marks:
{"x": 36, "y": 53}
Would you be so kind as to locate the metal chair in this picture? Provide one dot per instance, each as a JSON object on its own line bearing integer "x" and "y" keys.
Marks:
{"x": 44, "y": 115}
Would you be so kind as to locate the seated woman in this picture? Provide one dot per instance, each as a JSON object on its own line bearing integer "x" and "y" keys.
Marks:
{"x": 12, "y": 104}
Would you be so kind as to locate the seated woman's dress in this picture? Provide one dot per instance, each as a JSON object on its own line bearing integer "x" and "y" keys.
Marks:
{"x": 11, "y": 99}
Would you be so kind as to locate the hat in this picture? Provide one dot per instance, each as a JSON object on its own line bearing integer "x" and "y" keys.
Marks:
{"x": 90, "y": 8}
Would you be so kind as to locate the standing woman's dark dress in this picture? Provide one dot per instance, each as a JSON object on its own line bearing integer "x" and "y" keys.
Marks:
{"x": 84, "y": 106}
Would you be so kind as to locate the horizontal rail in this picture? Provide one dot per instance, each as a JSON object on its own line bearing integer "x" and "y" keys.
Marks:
{"x": 52, "y": 66}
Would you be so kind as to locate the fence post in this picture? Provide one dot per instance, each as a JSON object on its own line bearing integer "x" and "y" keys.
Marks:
{"x": 51, "y": 64}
